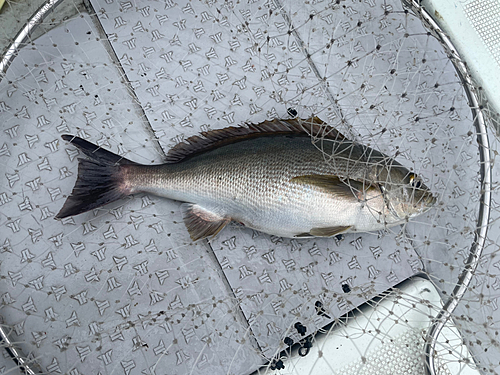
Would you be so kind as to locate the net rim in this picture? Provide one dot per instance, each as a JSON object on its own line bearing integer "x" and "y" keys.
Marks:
{"x": 481, "y": 231}
{"x": 27, "y": 366}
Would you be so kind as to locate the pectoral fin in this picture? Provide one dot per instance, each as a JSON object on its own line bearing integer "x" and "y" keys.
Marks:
{"x": 345, "y": 188}
{"x": 201, "y": 222}
{"x": 328, "y": 232}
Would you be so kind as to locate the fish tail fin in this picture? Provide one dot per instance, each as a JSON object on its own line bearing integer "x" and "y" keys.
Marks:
{"x": 101, "y": 179}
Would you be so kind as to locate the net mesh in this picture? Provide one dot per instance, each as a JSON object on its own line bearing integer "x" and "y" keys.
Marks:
{"x": 123, "y": 289}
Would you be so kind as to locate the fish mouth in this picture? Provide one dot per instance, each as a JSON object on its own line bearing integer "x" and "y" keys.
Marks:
{"x": 429, "y": 201}
{"x": 425, "y": 203}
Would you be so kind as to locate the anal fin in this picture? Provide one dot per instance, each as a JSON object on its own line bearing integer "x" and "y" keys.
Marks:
{"x": 328, "y": 232}
{"x": 201, "y": 222}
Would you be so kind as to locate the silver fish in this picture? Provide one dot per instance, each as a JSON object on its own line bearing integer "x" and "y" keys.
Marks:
{"x": 289, "y": 178}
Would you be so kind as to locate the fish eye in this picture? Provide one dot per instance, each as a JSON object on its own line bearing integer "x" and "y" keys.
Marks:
{"x": 414, "y": 182}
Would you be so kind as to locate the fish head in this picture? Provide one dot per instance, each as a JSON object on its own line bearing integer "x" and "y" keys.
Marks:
{"x": 405, "y": 194}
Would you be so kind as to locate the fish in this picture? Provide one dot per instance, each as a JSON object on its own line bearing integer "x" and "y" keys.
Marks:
{"x": 291, "y": 178}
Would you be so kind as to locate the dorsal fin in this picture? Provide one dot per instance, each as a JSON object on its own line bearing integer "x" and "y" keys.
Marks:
{"x": 312, "y": 127}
